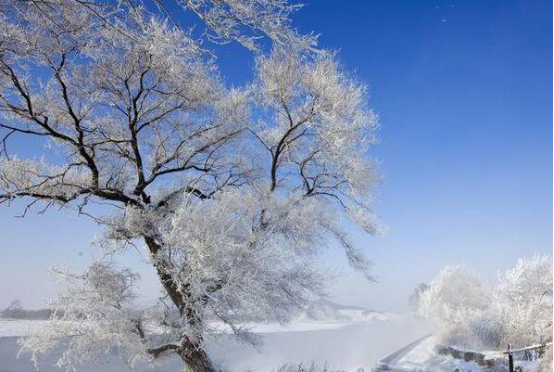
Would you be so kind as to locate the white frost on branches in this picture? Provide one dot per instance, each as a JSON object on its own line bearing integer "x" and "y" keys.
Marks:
{"x": 316, "y": 124}
{"x": 517, "y": 312}
{"x": 454, "y": 296}
{"x": 226, "y": 20}
{"x": 94, "y": 316}
{"x": 523, "y": 300}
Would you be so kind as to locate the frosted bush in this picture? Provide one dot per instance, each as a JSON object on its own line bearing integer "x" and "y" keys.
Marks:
{"x": 486, "y": 330}
{"x": 455, "y": 295}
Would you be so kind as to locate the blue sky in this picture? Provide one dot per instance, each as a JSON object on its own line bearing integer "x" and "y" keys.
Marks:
{"x": 463, "y": 90}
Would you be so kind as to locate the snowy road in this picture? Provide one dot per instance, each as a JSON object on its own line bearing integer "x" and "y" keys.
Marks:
{"x": 391, "y": 361}
{"x": 348, "y": 347}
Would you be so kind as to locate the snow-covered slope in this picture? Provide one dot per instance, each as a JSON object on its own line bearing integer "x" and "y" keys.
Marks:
{"x": 321, "y": 315}
{"x": 425, "y": 358}
{"x": 422, "y": 355}
{"x": 330, "y": 311}
{"x": 18, "y": 327}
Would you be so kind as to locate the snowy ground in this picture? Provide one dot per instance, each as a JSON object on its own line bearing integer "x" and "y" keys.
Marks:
{"x": 423, "y": 356}
{"x": 347, "y": 344}
{"x": 15, "y": 328}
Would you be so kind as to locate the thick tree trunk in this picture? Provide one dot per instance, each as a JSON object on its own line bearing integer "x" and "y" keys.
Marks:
{"x": 194, "y": 356}
{"x": 196, "y": 360}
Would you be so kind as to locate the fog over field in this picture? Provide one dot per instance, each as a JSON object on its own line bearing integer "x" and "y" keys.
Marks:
{"x": 347, "y": 345}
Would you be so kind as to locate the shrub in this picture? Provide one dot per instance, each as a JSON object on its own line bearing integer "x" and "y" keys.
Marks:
{"x": 455, "y": 296}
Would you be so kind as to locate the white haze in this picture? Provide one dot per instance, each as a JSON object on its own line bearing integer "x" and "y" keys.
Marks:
{"x": 358, "y": 345}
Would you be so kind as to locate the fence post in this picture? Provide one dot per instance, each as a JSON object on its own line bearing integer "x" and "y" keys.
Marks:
{"x": 510, "y": 360}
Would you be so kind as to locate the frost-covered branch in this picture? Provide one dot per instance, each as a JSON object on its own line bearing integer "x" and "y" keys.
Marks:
{"x": 243, "y": 21}
{"x": 93, "y": 314}
{"x": 227, "y": 19}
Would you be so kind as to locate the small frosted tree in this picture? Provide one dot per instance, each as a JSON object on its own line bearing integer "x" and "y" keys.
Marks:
{"x": 455, "y": 297}
{"x": 523, "y": 302}
{"x": 232, "y": 193}
{"x": 14, "y": 310}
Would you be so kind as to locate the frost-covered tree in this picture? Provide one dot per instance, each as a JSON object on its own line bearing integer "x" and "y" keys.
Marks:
{"x": 14, "y": 310}
{"x": 455, "y": 296}
{"x": 523, "y": 302}
{"x": 232, "y": 193}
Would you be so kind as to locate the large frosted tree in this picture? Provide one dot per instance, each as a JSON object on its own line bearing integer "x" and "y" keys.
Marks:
{"x": 232, "y": 192}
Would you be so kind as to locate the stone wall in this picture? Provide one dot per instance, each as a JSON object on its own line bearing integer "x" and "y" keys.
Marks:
{"x": 472, "y": 356}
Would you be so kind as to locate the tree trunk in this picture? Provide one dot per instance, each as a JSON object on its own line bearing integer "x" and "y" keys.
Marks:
{"x": 193, "y": 355}
{"x": 196, "y": 360}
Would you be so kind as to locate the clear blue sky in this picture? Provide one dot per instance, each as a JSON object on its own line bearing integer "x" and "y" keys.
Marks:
{"x": 463, "y": 90}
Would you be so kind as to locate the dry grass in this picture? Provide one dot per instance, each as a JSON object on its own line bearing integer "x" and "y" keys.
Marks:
{"x": 311, "y": 368}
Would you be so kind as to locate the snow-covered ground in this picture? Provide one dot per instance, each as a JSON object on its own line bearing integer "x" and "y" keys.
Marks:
{"x": 424, "y": 357}
{"x": 16, "y": 328}
{"x": 358, "y": 339}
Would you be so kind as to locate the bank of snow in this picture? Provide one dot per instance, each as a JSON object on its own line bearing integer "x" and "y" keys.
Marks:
{"x": 19, "y": 327}
{"x": 424, "y": 357}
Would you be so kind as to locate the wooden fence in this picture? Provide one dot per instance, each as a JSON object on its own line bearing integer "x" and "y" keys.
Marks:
{"x": 529, "y": 353}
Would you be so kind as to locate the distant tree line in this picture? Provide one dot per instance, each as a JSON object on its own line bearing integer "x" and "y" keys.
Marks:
{"x": 16, "y": 311}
